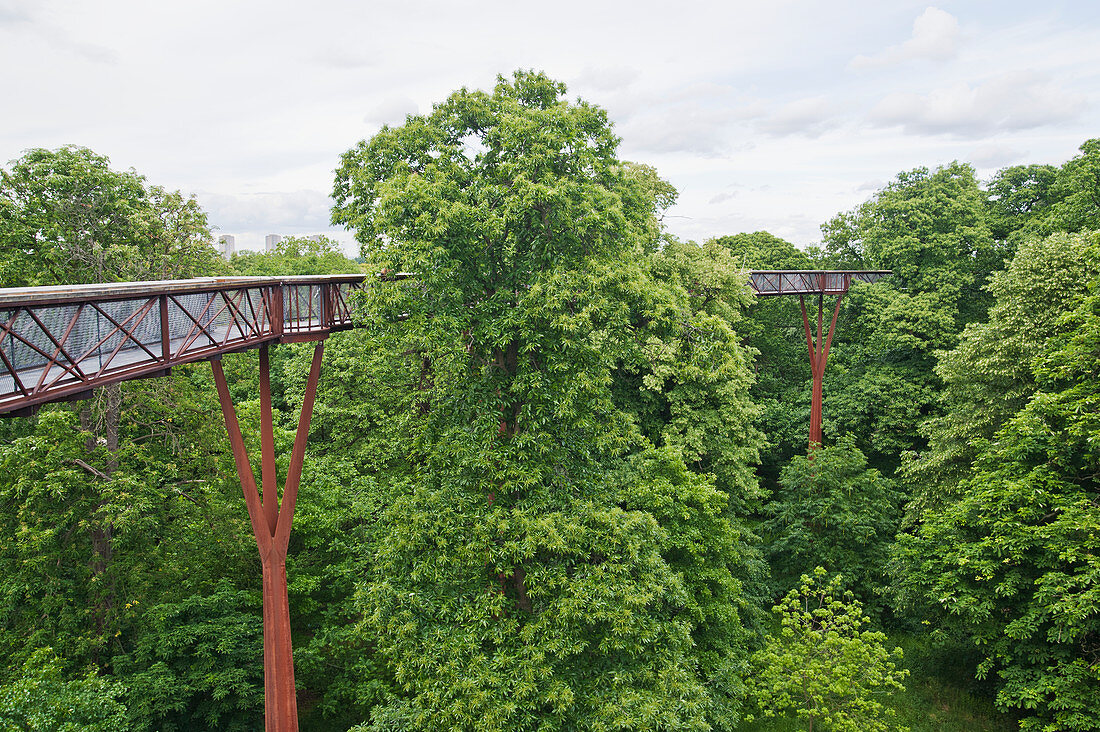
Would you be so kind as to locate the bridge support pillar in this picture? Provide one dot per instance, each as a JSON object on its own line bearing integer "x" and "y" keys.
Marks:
{"x": 271, "y": 524}
{"x": 819, "y": 356}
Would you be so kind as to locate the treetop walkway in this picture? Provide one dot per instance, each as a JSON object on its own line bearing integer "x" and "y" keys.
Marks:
{"x": 59, "y": 343}
{"x": 772, "y": 282}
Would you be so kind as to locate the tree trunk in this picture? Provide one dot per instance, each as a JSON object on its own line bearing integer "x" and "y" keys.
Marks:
{"x": 101, "y": 420}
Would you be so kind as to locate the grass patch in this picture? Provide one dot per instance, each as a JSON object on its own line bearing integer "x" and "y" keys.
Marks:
{"x": 930, "y": 705}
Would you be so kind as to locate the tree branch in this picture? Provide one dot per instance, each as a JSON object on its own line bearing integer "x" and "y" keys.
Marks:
{"x": 90, "y": 469}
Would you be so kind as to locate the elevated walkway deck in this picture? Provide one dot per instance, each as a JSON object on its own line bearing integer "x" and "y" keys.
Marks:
{"x": 59, "y": 343}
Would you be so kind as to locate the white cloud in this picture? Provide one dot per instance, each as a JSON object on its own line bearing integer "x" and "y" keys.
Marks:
{"x": 298, "y": 210}
{"x": 606, "y": 79}
{"x": 810, "y": 117}
{"x": 29, "y": 20}
{"x": 14, "y": 13}
{"x": 693, "y": 119}
{"x": 716, "y": 122}
{"x": 335, "y": 57}
{"x": 1012, "y": 101}
{"x": 677, "y": 129}
{"x": 994, "y": 155}
{"x": 935, "y": 38}
{"x": 391, "y": 110}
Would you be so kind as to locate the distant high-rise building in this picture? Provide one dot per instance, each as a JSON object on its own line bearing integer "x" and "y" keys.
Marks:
{"x": 271, "y": 241}
{"x": 227, "y": 245}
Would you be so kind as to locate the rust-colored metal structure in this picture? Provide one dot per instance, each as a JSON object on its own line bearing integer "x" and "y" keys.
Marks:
{"x": 773, "y": 283}
{"x": 271, "y": 524}
{"x": 59, "y": 343}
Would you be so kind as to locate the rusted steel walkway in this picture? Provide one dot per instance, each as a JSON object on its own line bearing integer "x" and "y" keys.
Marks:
{"x": 59, "y": 343}
{"x": 771, "y": 282}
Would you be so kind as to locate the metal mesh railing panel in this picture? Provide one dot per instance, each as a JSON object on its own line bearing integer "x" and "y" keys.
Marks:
{"x": 302, "y": 307}
{"x": 55, "y": 345}
{"x": 204, "y": 320}
{"x": 41, "y": 335}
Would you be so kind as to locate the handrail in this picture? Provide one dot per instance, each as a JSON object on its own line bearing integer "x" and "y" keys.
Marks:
{"x": 773, "y": 282}
{"x": 120, "y": 290}
{"x": 58, "y": 343}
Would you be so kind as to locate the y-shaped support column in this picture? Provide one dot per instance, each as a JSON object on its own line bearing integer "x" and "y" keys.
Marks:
{"x": 271, "y": 523}
{"x": 819, "y": 356}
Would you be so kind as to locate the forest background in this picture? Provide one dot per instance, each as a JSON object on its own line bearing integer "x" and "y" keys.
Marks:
{"x": 559, "y": 479}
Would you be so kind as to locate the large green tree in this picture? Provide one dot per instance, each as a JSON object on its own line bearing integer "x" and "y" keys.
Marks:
{"x": 930, "y": 229}
{"x": 67, "y": 217}
{"x": 527, "y": 574}
{"x": 1013, "y": 562}
{"x": 831, "y": 510}
{"x": 1019, "y": 196}
{"x": 988, "y": 377}
{"x": 1077, "y": 190}
{"x": 824, "y": 664}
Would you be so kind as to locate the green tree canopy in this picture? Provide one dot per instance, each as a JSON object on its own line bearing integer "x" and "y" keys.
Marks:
{"x": 929, "y": 228}
{"x": 1014, "y": 561}
{"x": 43, "y": 697}
{"x": 1077, "y": 189}
{"x": 296, "y": 256}
{"x": 67, "y": 218}
{"x": 833, "y": 511}
{"x": 527, "y": 575}
{"x": 824, "y": 664}
{"x": 121, "y": 512}
{"x": 763, "y": 250}
{"x": 1018, "y": 196}
{"x": 988, "y": 376}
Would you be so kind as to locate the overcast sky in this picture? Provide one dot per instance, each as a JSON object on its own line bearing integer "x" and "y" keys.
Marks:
{"x": 765, "y": 115}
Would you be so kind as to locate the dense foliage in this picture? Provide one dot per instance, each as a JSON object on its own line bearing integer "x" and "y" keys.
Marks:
{"x": 540, "y": 525}
{"x": 831, "y": 510}
{"x": 67, "y": 217}
{"x": 559, "y": 476}
{"x": 824, "y": 663}
{"x": 1011, "y": 558}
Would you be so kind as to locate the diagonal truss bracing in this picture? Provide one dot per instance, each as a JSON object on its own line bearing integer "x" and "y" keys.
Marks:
{"x": 57, "y": 343}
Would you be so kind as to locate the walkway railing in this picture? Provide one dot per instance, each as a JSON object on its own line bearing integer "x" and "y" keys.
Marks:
{"x": 57, "y": 343}
{"x": 766, "y": 283}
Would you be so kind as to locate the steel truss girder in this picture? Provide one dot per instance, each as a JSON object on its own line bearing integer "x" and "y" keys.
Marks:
{"x": 59, "y": 342}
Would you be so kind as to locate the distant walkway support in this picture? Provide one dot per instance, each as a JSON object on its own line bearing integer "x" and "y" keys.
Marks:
{"x": 773, "y": 283}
